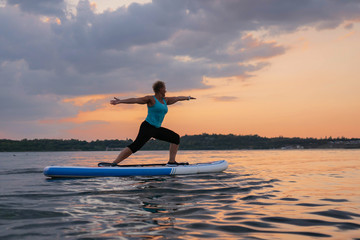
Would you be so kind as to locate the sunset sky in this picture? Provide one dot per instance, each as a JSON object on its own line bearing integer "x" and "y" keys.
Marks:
{"x": 266, "y": 67}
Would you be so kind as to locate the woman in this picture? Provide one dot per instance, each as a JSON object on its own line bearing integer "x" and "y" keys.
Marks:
{"x": 151, "y": 127}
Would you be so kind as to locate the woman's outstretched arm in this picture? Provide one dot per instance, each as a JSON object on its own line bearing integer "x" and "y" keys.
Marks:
{"x": 172, "y": 100}
{"x": 141, "y": 100}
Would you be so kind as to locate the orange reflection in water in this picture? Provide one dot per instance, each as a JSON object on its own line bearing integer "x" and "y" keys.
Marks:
{"x": 270, "y": 194}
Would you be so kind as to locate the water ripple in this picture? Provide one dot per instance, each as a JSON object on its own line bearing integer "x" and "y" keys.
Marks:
{"x": 337, "y": 214}
{"x": 311, "y": 222}
{"x": 263, "y": 195}
{"x": 16, "y": 214}
{"x": 21, "y": 171}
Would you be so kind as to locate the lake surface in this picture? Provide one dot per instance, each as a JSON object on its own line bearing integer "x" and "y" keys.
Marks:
{"x": 270, "y": 194}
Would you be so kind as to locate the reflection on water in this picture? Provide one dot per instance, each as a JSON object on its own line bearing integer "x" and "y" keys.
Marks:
{"x": 292, "y": 194}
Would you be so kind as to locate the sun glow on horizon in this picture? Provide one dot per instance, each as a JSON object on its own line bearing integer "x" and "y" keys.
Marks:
{"x": 298, "y": 95}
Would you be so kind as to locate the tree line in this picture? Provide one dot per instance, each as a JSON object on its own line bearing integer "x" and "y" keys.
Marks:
{"x": 188, "y": 142}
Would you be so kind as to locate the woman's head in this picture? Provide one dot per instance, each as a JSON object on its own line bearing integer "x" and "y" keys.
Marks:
{"x": 159, "y": 86}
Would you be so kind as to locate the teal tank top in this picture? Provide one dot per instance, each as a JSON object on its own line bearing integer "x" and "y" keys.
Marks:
{"x": 156, "y": 113}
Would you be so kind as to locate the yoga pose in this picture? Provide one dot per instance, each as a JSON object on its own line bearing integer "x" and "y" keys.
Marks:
{"x": 151, "y": 127}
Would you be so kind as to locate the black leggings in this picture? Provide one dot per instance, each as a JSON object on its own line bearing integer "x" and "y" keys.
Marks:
{"x": 148, "y": 131}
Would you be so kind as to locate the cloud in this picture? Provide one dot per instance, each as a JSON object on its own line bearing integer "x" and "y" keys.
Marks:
{"x": 42, "y": 7}
{"x": 15, "y": 102}
{"x": 349, "y": 26}
{"x": 44, "y": 61}
{"x": 224, "y": 98}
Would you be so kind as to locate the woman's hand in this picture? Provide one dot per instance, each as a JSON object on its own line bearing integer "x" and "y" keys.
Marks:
{"x": 115, "y": 101}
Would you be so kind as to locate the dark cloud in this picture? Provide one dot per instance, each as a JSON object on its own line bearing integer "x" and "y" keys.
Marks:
{"x": 178, "y": 42}
{"x": 92, "y": 53}
{"x": 17, "y": 102}
{"x": 42, "y": 7}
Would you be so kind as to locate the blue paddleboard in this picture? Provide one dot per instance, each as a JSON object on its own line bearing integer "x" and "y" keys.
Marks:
{"x": 138, "y": 170}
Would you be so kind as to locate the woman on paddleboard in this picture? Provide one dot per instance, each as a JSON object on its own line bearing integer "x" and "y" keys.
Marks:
{"x": 151, "y": 127}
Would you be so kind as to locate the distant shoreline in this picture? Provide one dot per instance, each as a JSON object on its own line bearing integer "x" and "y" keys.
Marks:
{"x": 188, "y": 142}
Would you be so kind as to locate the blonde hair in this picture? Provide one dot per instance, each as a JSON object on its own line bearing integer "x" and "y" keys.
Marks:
{"x": 158, "y": 85}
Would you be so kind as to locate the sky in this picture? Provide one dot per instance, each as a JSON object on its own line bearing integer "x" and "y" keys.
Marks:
{"x": 266, "y": 67}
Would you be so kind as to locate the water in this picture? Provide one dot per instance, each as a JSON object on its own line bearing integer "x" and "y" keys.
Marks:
{"x": 291, "y": 194}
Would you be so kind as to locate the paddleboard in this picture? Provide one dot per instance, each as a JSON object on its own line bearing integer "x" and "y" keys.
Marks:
{"x": 134, "y": 170}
